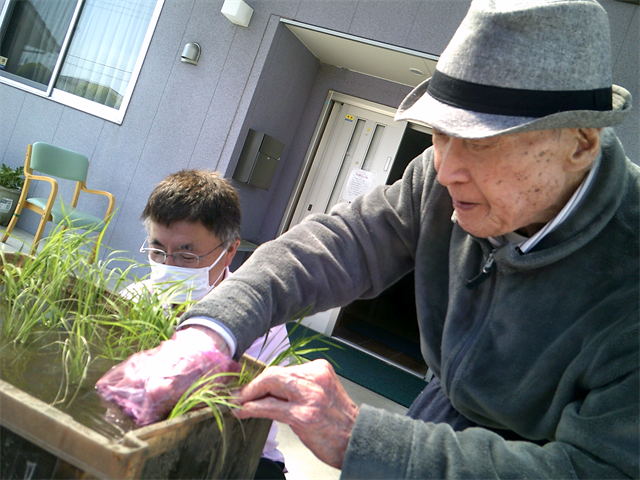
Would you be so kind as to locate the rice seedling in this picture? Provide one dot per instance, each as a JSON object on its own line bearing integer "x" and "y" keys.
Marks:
{"x": 218, "y": 391}
{"x": 62, "y": 301}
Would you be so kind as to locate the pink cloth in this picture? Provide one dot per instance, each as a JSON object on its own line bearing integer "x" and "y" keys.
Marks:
{"x": 149, "y": 384}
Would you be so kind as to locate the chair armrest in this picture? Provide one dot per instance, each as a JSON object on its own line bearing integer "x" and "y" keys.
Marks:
{"x": 54, "y": 190}
{"x": 112, "y": 200}
{"x": 52, "y": 181}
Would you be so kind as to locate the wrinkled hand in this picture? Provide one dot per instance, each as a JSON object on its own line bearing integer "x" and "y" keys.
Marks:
{"x": 310, "y": 399}
{"x": 148, "y": 384}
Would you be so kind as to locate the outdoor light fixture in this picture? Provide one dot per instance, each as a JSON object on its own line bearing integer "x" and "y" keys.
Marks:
{"x": 237, "y": 11}
{"x": 191, "y": 53}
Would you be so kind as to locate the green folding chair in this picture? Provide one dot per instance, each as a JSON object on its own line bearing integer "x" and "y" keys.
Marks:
{"x": 65, "y": 164}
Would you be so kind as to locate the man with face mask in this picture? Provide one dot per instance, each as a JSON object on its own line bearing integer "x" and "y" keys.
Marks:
{"x": 193, "y": 221}
{"x": 189, "y": 242}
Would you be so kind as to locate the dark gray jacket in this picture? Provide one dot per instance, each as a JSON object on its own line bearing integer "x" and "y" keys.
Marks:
{"x": 546, "y": 346}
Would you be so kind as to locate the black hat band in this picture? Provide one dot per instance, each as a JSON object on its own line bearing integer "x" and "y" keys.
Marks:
{"x": 513, "y": 101}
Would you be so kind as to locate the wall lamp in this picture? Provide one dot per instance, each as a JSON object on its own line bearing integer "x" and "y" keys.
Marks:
{"x": 191, "y": 53}
{"x": 237, "y": 11}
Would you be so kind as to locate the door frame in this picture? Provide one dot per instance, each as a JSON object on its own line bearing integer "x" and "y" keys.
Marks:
{"x": 312, "y": 150}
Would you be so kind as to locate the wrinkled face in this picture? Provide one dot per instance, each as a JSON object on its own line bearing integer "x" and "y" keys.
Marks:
{"x": 191, "y": 237}
{"x": 509, "y": 182}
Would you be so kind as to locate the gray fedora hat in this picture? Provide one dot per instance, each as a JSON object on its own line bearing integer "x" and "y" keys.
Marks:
{"x": 521, "y": 65}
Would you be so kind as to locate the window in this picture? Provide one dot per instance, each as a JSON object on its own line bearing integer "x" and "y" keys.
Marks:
{"x": 84, "y": 53}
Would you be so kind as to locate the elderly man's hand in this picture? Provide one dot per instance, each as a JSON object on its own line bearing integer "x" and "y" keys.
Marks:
{"x": 148, "y": 384}
{"x": 310, "y": 399}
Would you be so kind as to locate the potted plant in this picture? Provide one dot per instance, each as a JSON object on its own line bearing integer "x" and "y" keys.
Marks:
{"x": 11, "y": 183}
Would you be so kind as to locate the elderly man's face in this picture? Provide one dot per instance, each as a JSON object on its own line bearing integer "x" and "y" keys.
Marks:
{"x": 505, "y": 183}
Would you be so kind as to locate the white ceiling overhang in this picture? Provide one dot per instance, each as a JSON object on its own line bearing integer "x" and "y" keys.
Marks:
{"x": 389, "y": 62}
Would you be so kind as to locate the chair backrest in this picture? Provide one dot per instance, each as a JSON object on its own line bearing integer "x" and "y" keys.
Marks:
{"x": 59, "y": 162}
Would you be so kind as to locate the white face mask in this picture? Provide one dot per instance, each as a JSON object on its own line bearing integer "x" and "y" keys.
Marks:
{"x": 193, "y": 282}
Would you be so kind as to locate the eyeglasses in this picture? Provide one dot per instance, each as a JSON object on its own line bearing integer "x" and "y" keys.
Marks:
{"x": 181, "y": 259}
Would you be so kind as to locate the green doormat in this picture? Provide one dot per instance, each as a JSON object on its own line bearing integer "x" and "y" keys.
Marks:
{"x": 363, "y": 369}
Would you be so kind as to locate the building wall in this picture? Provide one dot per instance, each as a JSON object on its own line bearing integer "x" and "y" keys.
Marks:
{"x": 260, "y": 77}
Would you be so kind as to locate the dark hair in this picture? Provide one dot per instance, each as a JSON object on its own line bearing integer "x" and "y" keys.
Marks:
{"x": 196, "y": 195}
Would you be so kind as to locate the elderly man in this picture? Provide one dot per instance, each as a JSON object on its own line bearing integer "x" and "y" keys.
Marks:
{"x": 521, "y": 225}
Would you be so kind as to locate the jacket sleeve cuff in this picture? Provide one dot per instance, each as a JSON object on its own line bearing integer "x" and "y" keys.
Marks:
{"x": 217, "y": 327}
{"x": 380, "y": 446}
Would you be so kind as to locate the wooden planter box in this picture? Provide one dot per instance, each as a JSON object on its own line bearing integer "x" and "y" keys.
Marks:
{"x": 39, "y": 441}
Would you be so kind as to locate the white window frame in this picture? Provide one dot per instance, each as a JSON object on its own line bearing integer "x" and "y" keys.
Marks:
{"x": 74, "y": 101}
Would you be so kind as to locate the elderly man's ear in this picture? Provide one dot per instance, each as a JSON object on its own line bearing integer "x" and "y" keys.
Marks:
{"x": 587, "y": 147}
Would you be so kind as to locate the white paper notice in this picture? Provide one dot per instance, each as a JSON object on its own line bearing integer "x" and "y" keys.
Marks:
{"x": 359, "y": 182}
{"x": 5, "y": 205}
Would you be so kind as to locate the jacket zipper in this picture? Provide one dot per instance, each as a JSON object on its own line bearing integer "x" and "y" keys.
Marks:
{"x": 477, "y": 280}
{"x": 484, "y": 273}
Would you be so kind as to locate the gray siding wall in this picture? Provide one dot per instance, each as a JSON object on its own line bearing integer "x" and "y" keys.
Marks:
{"x": 260, "y": 77}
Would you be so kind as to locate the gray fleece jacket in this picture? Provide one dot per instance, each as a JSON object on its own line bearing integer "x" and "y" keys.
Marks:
{"x": 545, "y": 346}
